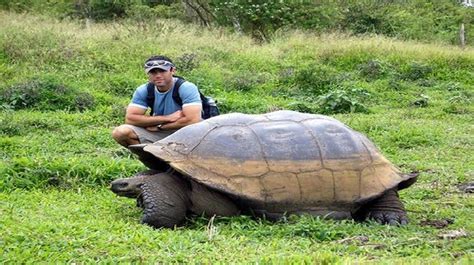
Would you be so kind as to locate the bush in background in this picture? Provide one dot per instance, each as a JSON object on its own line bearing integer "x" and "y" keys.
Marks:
{"x": 417, "y": 19}
{"x": 343, "y": 100}
{"x": 45, "y": 95}
{"x": 258, "y": 18}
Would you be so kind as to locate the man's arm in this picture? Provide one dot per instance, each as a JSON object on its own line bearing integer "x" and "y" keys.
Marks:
{"x": 190, "y": 114}
{"x": 136, "y": 116}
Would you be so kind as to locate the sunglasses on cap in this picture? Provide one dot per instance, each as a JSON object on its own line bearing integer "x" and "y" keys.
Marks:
{"x": 158, "y": 63}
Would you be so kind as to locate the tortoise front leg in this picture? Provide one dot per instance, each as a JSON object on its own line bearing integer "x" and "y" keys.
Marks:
{"x": 165, "y": 200}
{"x": 388, "y": 209}
{"x": 208, "y": 202}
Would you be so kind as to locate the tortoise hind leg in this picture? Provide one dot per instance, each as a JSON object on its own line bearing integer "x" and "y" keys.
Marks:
{"x": 164, "y": 199}
{"x": 388, "y": 209}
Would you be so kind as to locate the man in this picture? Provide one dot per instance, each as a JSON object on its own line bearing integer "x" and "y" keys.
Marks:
{"x": 168, "y": 115}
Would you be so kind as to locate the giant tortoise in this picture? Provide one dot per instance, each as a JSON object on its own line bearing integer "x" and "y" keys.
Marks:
{"x": 269, "y": 165}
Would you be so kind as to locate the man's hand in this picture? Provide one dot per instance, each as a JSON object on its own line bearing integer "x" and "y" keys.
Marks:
{"x": 175, "y": 116}
{"x": 190, "y": 114}
{"x": 152, "y": 128}
{"x": 136, "y": 116}
{"x": 171, "y": 118}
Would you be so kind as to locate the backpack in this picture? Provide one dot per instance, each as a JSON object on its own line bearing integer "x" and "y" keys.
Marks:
{"x": 209, "y": 106}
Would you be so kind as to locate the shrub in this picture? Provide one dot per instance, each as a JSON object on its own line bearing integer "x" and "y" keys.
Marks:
{"x": 244, "y": 82}
{"x": 112, "y": 114}
{"x": 303, "y": 106}
{"x": 343, "y": 101}
{"x": 186, "y": 62}
{"x": 100, "y": 10}
{"x": 426, "y": 82}
{"x": 44, "y": 95}
{"x": 145, "y": 13}
{"x": 416, "y": 19}
{"x": 314, "y": 79}
{"x": 121, "y": 84}
{"x": 363, "y": 17}
{"x": 396, "y": 84}
{"x": 19, "y": 124}
{"x": 421, "y": 101}
{"x": 460, "y": 103}
{"x": 247, "y": 103}
{"x": 453, "y": 86}
{"x": 43, "y": 46}
{"x": 372, "y": 70}
{"x": 258, "y": 18}
{"x": 416, "y": 71}
{"x": 10, "y": 127}
{"x": 313, "y": 16}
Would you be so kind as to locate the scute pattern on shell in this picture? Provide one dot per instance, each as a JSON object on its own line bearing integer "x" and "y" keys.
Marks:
{"x": 281, "y": 158}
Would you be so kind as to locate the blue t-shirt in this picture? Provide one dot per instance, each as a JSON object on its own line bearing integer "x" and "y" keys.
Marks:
{"x": 164, "y": 102}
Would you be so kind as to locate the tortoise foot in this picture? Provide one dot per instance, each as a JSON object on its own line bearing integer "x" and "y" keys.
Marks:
{"x": 389, "y": 217}
{"x": 388, "y": 209}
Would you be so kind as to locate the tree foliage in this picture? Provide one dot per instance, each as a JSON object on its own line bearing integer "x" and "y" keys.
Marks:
{"x": 429, "y": 20}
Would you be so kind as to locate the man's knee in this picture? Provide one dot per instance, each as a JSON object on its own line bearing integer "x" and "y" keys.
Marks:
{"x": 122, "y": 132}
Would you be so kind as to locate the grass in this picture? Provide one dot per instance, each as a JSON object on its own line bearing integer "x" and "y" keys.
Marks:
{"x": 89, "y": 225}
{"x": 57, "y": 156}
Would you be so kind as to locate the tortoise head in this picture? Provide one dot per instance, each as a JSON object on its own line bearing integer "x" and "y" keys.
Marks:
{"x": 131, "y": 187}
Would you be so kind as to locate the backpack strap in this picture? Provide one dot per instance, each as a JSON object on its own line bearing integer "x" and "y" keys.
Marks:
{"x": 176, "y": 96}
{"x": 150, "y": 97}
{"x": 209, "y": 109}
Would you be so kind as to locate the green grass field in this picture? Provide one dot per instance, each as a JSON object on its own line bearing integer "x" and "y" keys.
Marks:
{"x": 64, "y": 86}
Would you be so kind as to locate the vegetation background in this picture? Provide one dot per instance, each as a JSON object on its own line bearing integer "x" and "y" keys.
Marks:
{"x": 393, "y": 70}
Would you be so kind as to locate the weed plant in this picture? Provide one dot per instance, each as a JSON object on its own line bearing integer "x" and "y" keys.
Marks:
{"x": 65, "y": 85}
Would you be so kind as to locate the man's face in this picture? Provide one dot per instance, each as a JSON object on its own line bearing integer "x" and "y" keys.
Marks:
{"x": 161, "y": 78}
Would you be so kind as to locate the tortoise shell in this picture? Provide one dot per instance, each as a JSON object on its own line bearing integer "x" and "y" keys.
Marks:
{"x": 283, "y": 160}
